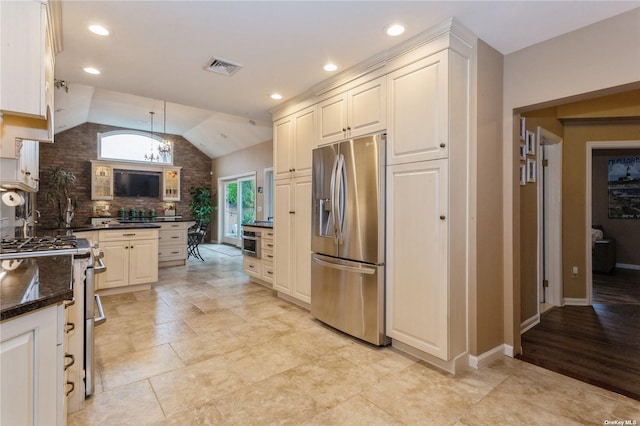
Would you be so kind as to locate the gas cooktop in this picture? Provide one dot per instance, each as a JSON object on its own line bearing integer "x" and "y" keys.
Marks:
{"x": 12, "y": 248}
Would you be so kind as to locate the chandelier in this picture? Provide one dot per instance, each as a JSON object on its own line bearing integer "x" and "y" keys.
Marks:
{"x": 152, "y": 155}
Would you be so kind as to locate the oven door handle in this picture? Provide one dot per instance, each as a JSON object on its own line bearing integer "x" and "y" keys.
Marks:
{"x": 251, "y": 238}
{"x": 102, "y": 318}
{"x": 100, "y": 268}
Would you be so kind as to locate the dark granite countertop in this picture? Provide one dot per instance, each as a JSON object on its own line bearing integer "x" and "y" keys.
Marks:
{"x": 260, "y": 224}
{"x": 28, "y": 284}
{"x": 113, "y": 226}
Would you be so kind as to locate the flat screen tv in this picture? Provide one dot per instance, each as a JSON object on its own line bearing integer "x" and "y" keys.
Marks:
{"x": 133, "y": 183}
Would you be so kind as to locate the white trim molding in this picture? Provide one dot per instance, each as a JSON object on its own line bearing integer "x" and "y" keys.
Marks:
{"x": 628, "y": 266}
{"x": 529, "y": 323}
{"x": 576, "y": 301}
{"x": 490, "y": 356}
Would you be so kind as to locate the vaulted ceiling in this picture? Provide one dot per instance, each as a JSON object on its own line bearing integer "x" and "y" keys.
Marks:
{"x": 157, "y": 52}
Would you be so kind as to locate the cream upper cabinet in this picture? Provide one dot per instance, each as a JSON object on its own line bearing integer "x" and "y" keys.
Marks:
{"x": 293, "y": 139}
{"x": 27, "y": 64}
{"x": 20, "y": 165}
{"x": 292, "y": 219}
{"x": 419, "y": 110}
{"x": 101, "y": 181}
{"x": 353, "y": 113}
{"x": 417, "y": 256}
{"x": 171, "y": 184}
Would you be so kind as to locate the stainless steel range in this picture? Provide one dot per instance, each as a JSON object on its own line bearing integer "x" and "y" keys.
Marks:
{"x": 82, "y": 319}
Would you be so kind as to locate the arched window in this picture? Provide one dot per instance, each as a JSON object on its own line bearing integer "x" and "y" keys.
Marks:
{"x": 132, "y": 145}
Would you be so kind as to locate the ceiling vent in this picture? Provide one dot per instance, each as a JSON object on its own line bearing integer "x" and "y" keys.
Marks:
{"x": 222, "y": 66}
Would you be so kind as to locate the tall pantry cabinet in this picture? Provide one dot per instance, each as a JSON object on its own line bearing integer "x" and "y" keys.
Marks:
{"x": 426, "y": 204}
{"x": 294, "y": 139}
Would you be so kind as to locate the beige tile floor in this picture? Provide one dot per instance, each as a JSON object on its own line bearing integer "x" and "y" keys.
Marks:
{"x": 205, "y": 346}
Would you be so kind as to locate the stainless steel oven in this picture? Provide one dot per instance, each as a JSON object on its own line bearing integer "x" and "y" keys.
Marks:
{"x": 251, "y": 243}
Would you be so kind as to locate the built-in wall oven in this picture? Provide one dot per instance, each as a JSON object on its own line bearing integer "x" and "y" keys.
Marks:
{"x": 251, "y": 243}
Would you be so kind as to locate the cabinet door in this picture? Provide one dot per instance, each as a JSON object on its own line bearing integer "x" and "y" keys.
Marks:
{"x": 116, "y": 259}
{"x": 282, "y": 222}
{"x": 418, "y": 111}
{"x": 417, "y": 261}
{"x": 302, "y": 240}
{"x": 367, "y": 108}
{"x": 304, "y": 140}
{"x": 101, "y": 182}
{"x": 28, "y": 164}
{"x": 171, "y": 184}
{"x": 22, "y": 34}
{"x": 332, "y": 119}
{"x": 282, "y": 145}
{"x": 143, "y": 261}
{"x": 29, "y": 368}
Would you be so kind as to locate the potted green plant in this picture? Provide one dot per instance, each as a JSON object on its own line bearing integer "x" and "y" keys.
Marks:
{"x": 59, "y": 184}
{"x": 201, "y": 205}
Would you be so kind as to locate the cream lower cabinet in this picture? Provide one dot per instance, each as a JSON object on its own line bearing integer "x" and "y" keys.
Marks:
{"x": 172, "y": 243}
{"x": 131, "y": 257}
{"x": 292, "y": 219}
{"x": 31, "y": 362}
{"x": 261, "y": 270}
{"x": 418, "y": 294}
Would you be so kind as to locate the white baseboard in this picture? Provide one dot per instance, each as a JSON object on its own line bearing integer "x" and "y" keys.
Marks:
{"x": 574, "y": 301}
{"x": 529, "y": 323}
{"x": 628, "y": 266}
{"x": 508, "y": 351}
{"x": 488, "y": 357}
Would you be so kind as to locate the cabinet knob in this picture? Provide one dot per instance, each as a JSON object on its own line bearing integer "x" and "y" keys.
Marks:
{"x": 442, "y": 217}
{"x": 442, "y": 145}
{"x": 292, "y": 212}
{"x": 344, "y": 130}
{"x": 349, "y": 128}
{"x": 69, "y": 327}
{"x": 126, "y": 247}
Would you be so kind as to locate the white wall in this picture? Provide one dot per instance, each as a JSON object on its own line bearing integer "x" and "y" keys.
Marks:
{"x": 595, "y": 58}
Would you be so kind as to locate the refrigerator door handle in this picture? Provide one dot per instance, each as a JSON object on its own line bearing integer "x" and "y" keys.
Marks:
{"x": 356, "y": 269}
{"x": 341, "y": 196}
{"x": 333, "y": 199}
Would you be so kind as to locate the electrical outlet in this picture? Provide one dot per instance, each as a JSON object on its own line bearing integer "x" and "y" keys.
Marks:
{"x": 574, "y": 272}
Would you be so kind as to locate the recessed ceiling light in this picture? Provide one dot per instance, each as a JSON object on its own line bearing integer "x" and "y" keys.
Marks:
{"x": 276, "y": 96}
{"x": 330, "y": 67}
{"x": 394, "y": 30}
{"x": 91, "y": 70}
{"x": 99, "y": 29}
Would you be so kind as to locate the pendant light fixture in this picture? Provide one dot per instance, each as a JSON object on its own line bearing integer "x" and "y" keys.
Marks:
{"x": 165, "y": 146}
{"x": 151, "y": 155}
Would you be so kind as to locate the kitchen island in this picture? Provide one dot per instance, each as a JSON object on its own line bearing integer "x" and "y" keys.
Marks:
{"x": 258, "y": 262}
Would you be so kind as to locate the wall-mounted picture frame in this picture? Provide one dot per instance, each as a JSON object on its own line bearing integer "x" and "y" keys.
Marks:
{"x": 530, "y": 142}
{"x": 523, "y": 174}
{"x": 523, "y": 151}
{"x": 522, "y": 128}
{"x": 531, "y": 170}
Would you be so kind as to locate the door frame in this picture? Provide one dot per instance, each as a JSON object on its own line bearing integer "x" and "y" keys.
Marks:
{"x": 592, "y": 145}
{"x": 550, "y": 235}
{"x": 221, "y": 209}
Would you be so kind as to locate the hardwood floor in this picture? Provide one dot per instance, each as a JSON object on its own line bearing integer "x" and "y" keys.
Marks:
{"x": 598, "y": 344}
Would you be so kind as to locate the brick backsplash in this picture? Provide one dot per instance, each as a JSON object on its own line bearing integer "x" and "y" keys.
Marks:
{"x": 75, "y": 148}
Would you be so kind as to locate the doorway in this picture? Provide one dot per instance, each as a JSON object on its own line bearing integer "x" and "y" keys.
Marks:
{"x": 237, "y": 198}
{"x": 591, "y": 147}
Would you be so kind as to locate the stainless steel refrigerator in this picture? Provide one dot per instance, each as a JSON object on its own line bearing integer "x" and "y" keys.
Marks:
{"x": 348, "y": 235}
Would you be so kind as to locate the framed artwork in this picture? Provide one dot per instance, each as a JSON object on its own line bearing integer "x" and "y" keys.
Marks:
{"x": 530, "y": 142}
{"x": 623, "y": 185}
{"x": 522, "y": 128}
{"x": 523, "y": 151}
{"x": 523, "y": 174}
{"x": 531, "y": 170}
